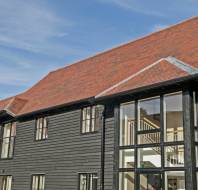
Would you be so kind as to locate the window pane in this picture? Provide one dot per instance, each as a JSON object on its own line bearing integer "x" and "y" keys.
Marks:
{"x": 126, "y": 181}
{"x": 83, "y": 182}
{"x": 150, "y": 182}
{"x": 196, "y": 152}
{"x": 197, "y": 180}
{"x": 42, "y": 183}
{"x": 11, "y": 148}
{"x": 149, "y": 157}
{"x": 127, "y": 124}
{"x": 173, "y": 117}
{"x": 196, "y": 134}
{"x": 35, "y": 183}
{"x": 174, "y": 156}
{"x": 95, "y": 119}
{"x": 9, "y": 183}
{"x": 175, "y": 180}
{"x": 7, "y": 130}
{"x": 5, "y": 147}
{"x": 93, "y": 181}
{"x": 127, "y": 158}
{"x": 149, "y": 138}
{"x": 149, "y": 114}
{"x": 13, "y": 133}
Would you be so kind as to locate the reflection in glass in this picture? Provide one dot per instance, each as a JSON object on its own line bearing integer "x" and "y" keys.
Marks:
{"x": 149, "y": 138}
{"x": 197, "y": 180}
{"x": 175, "y": 180}
{"x": 173, "y": 117}
{"x": 127, "y": 124}
{"x": 149, "y": 114}
{"x": 149, "y": 157}
{"x": 127, "y": 158}
{"x": 196, "y": 152}
{"x": 126, "y": 181}
{"x": 196, "y": 134}
{"x": 174, "y": 156}
{"x": 150, "y": 182}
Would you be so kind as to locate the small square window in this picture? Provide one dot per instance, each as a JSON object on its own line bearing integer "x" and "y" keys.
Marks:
{"x": 174, "y": 156}
{"x": 41, "y": 132}
{"x": 88, "y": 181}
{"x": 127, "y": 158}
{"x": 90, "y": 119}
{"x": 38, "y": 182}
{"x": 126, "y": 181}
{"x": 149, "y": 157}
{"x": 175, "y": 180}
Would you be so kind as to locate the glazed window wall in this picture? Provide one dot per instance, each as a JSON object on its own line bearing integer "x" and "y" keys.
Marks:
{"x": 151, "y": 144}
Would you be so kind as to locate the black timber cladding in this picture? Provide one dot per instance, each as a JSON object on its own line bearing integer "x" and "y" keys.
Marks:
{"x": 62, "y": 156}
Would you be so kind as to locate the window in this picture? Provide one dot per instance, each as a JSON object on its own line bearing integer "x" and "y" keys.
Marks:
{"x": 173, "y": 117}
{"x": 90, "y": 119}
{"x": 8, "y": 140}
{"x": 197, "y": 179}
{"x": 149, "y": 114}
{"x": 196, "y": 154}
{"x": 149, "y": 121}
{"x": 150, "y": 181}
{"x": 175, "y": 180}
{"x": 38, "y": 182}
{"x": 41, "y": 129}
{"x": 127, "y": 158}
{"x": 126, "y": 181}
{"x": 88, "y": 181}
{"x": 149, "y": 157}
{"x": 127, "y": 124}
{"x": 174, "y": 156}
{"x": 5, "y": 182}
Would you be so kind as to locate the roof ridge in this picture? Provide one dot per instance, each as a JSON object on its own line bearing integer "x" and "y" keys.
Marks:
{"x": 182, "y": 65}
{"x": 130, "y": 77}
{"x": 127, "y": 43}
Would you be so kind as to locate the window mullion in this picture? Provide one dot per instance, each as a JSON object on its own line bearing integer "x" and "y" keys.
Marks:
{"x": 9, "y": 141}
{"x": 38, "y": 183}
{"x": 90, "y": 130}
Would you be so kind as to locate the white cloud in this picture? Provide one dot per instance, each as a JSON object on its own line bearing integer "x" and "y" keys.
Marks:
{"x": 158, "y": 27}
{"x": 135, "y": 5}
{"x": 157, "y": 8}
{"x": 31, "y": 26}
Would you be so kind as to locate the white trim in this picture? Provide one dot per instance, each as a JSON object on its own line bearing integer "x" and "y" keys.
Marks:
{"x": 171, "y": 60}
{"x": 130, "y": 77}
{"x": 182, "y": 65}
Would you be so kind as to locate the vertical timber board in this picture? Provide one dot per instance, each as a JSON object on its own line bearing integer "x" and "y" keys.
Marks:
{"x": 189, "y": 152}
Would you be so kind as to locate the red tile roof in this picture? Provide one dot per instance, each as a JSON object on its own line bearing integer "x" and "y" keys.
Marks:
{"x": 93, "y": 76}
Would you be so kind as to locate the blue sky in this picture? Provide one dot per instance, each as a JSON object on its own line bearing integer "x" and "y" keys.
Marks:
{"x": 37, "y": 36}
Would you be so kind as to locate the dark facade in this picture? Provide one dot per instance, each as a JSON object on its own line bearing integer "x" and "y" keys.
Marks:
{"x": 67, "y": 152}
{"x": 126, "y": 119}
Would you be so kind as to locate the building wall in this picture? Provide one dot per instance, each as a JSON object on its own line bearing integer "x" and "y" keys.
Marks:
{"x": 61, "y": 157}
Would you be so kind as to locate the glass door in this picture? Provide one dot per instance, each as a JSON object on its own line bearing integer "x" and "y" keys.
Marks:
{"x": 149, "y": 181}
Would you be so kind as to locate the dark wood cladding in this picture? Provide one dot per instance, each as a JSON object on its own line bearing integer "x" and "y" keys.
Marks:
{"x": 62, "y": 156}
